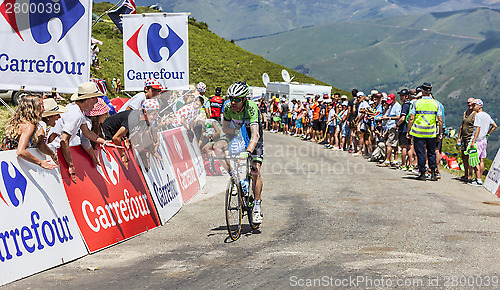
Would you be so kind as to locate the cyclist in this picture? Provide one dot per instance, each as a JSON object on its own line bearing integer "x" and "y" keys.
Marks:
{"x": 234, "y": 111}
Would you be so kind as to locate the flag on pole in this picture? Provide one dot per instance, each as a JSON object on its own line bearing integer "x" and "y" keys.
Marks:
{"x": 127, "y": 7}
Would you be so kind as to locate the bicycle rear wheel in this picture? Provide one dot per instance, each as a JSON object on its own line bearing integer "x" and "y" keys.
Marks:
{"x": 234, "y": 210}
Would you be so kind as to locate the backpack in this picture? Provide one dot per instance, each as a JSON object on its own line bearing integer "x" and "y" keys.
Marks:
{"x": 215, "y": 106}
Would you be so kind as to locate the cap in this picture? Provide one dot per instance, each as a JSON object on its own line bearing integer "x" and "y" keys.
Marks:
{"x": 371, "y": 102}
{"x": 201, "y": 87}
{"x": 86, "y": 90}
{"x": 345, "y": 103}
{"x": 360, "y": 94}
{"x": 325, "y": 96}
{"x": 390, "y": 98}
{"x": 153, "y": 83}
{"x": 151, "y": 104}
{"x": 373, "y": 92}
{"x": 384, "y": 95}
{"x": 470, "y": 100}
{"x": 426, "y": 87}
{"x": 478, "y": 102}
{"x": 419, "y": 89}
{"x": 343, "y": 97}
{"x": 404, "y": 92}
{"x": 100, "y": 108}
{"x": 379, "y": 95}
{"x": 328, "y": 101}
{"x": 52, "y": 108}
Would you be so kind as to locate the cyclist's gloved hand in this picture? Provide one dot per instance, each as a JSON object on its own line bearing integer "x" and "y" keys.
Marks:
{"x": 244, "y": 155}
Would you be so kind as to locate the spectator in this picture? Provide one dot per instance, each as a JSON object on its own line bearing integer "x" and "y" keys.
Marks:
{"x": 483, "y": 127}
{"x": 118, "y": 86}
{"x": 51, "y": 114}
{"x": 97, "y": 116}
{"x": 119, "y": 127}
{"x": 263, "y": 112}
{"x": 362, "y": 126}
{"x": 352, "y": 115}
{"x": 284, "y": 115}
{"x": 216, "y": 103}
{"x": 74, "y": 121}
{"x": 316, "y": 123}
{"x": 152, "y": 89}
{"x": 379, "y": 152}
{"x": 426, "y": 126}
{"x": 404, "y": 141}
{"x": 346, "y": 129}
{"x": 23, "y": 131}
{"x": 301, "y": 113}
{"x": 390, "y": 117}
{"x": 465, "y": 136}
{"x": 293, "y": 115}
{"x": 187, "y": 114}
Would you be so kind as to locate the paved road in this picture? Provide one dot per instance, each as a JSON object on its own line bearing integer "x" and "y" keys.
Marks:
{"x": 329, "y": 216}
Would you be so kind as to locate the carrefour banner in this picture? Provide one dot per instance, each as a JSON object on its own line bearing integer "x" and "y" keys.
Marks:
{"x": 182, "y": 163}
{"x": 492, "y": 181}
{"x": 162, "y": 182}
{"x": 45, "y": 44}
{"x": 110, "y": 202}
{"x": 155, "y": 45}
{"x": 37, "y": 229}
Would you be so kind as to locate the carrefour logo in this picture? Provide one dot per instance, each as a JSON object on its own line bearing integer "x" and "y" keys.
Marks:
{"x": 35, "y": 15}
{"x": 15, "y": 184}
{"x": 155, "y": 42}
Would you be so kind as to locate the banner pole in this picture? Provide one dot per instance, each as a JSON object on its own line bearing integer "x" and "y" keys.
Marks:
{"x": 102, "y": 15}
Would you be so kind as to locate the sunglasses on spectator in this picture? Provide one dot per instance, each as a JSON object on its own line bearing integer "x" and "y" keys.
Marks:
{"x": 156, "y": 90}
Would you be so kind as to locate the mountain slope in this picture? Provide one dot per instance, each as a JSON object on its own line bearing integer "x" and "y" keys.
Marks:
{"x": 213, "y": 60}
{"x": 459, "y": 52}
{"x": 233, "y": 19}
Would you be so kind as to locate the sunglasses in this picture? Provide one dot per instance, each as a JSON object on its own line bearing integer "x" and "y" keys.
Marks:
{"x": 156, "y": 90}
{"x": 236, "y": 100}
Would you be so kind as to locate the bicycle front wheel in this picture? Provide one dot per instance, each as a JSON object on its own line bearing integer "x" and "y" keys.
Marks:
{"x": 234, "y": 210}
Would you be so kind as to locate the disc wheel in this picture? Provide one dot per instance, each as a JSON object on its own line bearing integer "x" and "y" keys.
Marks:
{"x": 234, "y": 210}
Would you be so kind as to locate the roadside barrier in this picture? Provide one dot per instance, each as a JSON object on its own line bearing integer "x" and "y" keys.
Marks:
{"x": 47, "y": 220}
{"x": 492, "y": 181}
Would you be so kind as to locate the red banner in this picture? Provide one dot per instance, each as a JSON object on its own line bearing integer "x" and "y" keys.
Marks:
{"x": 110, "y": 203}
{"x": 182, "y": 163}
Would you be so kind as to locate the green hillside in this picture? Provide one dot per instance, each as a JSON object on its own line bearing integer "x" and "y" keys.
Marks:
{"x": 456, "y": 51}
{"x": 213, "y": 60}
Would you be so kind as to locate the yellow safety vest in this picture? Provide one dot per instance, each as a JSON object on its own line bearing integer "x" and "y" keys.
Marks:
{"x": 424, "y": 125}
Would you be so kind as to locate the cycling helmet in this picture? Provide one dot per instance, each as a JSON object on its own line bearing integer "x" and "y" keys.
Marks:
{"x": 201, "y": 87}
{"x": 238, "y": 89}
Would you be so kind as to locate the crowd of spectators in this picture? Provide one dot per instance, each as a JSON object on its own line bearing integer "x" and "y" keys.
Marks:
{"x": 380, "y": 128}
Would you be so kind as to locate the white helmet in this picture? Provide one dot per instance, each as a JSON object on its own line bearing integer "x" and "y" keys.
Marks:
{"x": 238, "y": 89}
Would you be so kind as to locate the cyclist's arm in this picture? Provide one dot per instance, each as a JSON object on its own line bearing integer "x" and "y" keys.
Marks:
{"x": 254, "y": 137}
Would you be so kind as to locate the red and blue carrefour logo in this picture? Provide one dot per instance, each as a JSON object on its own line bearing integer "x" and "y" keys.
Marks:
{"x": 14, "y": 185}
{"x": 155, "y": 42}
{"x": 36, "y": 14}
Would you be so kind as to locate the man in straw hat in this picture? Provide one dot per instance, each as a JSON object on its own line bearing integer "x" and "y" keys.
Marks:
{"x": 74, "y": 120}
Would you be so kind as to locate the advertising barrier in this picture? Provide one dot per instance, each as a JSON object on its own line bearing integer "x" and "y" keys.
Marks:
{"x": 155, "y": 46}
{"x": 110, "y": 203}
{"x": 195, "y": 152}
{"x": 492, "y": 181}
{"x": 181, "y": 162}
{"x": 162, "y": 183}
{"x": 41, "y": 56}
{"x": 38, "y": 230}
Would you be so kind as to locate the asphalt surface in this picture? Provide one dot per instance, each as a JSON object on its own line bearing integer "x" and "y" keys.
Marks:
{"x": 330, "y": 219}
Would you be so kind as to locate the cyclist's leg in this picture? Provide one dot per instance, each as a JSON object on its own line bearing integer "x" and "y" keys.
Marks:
{"x": 256, "y": 179}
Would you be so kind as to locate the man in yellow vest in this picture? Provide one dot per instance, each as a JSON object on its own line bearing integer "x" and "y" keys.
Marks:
{"x": 426, "y": 127}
